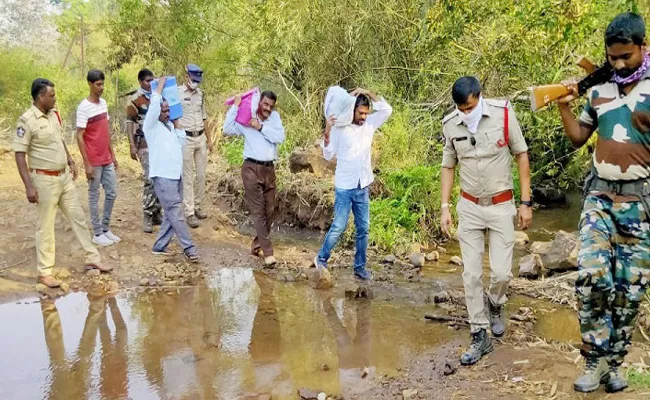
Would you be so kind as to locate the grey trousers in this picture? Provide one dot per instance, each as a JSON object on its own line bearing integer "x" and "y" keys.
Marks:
{"x": 104, "y": 176}
{"x": 170, "y": 194}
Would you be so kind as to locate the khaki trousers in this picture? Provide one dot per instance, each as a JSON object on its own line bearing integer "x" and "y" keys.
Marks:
{"x": 473, "y": 221}
{"x": 59, "y": 192}
{"x": 195, "y": 159}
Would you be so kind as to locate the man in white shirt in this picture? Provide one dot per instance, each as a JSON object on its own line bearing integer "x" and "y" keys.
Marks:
{"x": 166, "y": 141}
{"x": 351, "y": 145}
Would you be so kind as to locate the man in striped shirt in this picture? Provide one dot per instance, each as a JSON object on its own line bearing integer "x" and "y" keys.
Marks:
{"x": 94, "y": 139}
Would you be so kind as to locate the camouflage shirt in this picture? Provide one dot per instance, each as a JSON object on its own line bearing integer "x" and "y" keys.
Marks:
{"x": 623, "y": 123}
{"x": 137, "y": 109}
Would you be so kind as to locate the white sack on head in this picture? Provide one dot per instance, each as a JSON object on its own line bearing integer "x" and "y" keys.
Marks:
{"x": 340, "y": 104}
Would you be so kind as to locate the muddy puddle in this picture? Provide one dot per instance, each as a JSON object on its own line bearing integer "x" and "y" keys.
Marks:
{"x": 241, "y": 333}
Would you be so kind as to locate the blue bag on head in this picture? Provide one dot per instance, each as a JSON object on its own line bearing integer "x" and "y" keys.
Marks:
{"x": 170, "y": 94}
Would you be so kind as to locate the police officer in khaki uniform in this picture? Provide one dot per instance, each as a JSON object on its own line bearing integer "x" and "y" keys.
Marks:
{"x": 48, "y": 182}
{"x": 480, "y": 135}
{"x": 197, "y": 145}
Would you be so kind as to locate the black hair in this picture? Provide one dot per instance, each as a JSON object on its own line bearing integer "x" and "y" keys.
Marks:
{"x": 362, "y": 101}
{"x": 269, "y": 95}
{"x": 144, "y": 74}
{"x": 464, "y": 87}
{"x": 625, "y": 28}
{"x": 39, "y": 86}
{"x": 95, "y": 75}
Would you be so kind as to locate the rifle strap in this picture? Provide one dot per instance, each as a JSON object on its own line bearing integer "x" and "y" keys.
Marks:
{"x": 506, "y": 135}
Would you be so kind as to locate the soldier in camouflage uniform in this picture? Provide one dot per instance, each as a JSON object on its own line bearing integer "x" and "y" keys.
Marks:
{"x": 136, "y": 111}
{"x": 614, "y": 257}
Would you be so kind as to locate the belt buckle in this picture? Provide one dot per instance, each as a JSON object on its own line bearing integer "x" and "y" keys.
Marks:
{"x": 485, "y": 201}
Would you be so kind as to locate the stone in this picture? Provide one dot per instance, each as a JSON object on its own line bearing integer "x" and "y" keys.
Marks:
{"x": 571, "y": 262}
{"x": 390, "y": 259}
{"x": 531, "y": 266}
{"x": 441, "y": 297}
{"x": 144, "y": 282}
{"x": 417, "y": 259}
{"x": 432, "y": 256}
{"x": 547, "y": 194}
{"x": 561, "y": 248}
{"x": 93, "y": 272}
{"x": 307, "y": 394}
{"x": 321, "y": 278}
{"x": 409, "y": 394}
{"x": 64, "y": 287}
{"x": 521, "y": 239}
{"x": 63, "y": 273}
{"x": 171, "y": 271}
{"x": 322, "y": 396}
{"x": 449, "y": 369}
{"x": 358, "y": 291}
{"x": 41, "y": 288}
{"x": 310, "y": 161}
{"x": 442, "y": 250}
{"x": 365, "y": 373}
{"x": 540, "y": 248}
{"x": 416, "y": 248}
{"x": 456, "y": 260}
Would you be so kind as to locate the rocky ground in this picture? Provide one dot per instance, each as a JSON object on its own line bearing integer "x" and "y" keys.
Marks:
{"x": 523, "y": 365}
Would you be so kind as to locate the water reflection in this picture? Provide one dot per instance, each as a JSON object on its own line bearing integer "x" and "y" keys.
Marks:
{"x": 243, "y": 332}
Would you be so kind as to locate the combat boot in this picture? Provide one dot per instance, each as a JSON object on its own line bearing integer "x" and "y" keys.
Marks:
{"x": 192, "y": 221}
{"x": 157, "y": 219}
{"x": 596, "y": 372}
{"x": 480, "y": 346}
{"x": 147, "y": 224}
{"x": 615, "y": 382}
{"x": 497, "y": 324}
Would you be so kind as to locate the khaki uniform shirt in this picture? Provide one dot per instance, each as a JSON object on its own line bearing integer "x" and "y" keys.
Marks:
{"x": 485, "y": 167}
{"x": 40, "y": 137}
{"x": 193, "y": 109}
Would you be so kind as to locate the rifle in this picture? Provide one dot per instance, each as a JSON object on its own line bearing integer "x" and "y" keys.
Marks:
{"x": 541, "y": 96}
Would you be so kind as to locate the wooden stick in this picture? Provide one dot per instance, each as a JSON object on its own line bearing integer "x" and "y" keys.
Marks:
{"x": 446, "y": 318}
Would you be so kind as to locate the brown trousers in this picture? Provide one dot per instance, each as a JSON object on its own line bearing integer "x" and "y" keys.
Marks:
{"x": 259, "y": 194}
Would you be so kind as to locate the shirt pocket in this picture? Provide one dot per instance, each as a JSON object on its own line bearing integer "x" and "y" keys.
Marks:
{"x": 496, "y": 139}
{"x": 43, "y": 135}
{"x": 463, "y": 146}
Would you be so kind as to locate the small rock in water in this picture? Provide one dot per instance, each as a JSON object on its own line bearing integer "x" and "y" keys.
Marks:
{"x": 321, "y": 278}
{"x": 307, "y": 394}
{"x": 433, "y": 256}
{"x": 417, "y": 259}
{"x": 322, "y": 396}
{"x": 456, "y": 260}
{"x": 409, "y": 394}
{"x": 358, "y": 291}
{"x": 326, "y": 367}
{"x": 390, "y": 259}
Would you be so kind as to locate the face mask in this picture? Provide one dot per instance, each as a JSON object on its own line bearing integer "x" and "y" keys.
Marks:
{"x": 193, "y": 85}
{"x": 472, "y": 119}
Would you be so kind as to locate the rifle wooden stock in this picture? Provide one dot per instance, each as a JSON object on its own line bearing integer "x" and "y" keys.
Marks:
{"x": 541, "y": 96}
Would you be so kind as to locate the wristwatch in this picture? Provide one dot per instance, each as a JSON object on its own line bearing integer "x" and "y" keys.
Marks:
{"x": 528, "y": 203}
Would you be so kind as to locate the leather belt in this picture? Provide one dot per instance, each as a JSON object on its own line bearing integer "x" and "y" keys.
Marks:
{"x": 194, "y": 134}
{"x": 488, "y": 201}
{"x": 265, "y": 163}
{"x": 47, "y": 172}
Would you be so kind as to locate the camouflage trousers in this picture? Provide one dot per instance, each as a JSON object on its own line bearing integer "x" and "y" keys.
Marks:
{"x": 150, "y": 204}
{"x": 614, "y": 273}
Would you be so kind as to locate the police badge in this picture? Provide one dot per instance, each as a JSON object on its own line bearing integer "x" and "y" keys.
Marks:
{"x": 20, "y": 132}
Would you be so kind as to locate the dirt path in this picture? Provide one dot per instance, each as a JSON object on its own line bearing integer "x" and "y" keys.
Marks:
{"x": 518, "y": 369}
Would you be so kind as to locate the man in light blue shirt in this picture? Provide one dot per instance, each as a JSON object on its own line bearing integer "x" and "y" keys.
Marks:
{"x": 262, "y": 136}
{"x": 351, "y": 145}
{"x": 166, "y": 141}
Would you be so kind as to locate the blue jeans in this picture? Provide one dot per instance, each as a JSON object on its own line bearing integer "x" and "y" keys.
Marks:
{"x": 104, "y": 176}
{"x": 170, "y": 194}
{"x": 357, "y": 200}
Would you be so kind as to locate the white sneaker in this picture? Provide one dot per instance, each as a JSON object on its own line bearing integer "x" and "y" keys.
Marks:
{"x": 113, "y": 237}
{"x": 102, "y": 240}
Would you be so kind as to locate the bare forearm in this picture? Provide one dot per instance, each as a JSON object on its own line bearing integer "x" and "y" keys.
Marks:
{"x": 23, "y": 170}
{"x": 578, "y": 135}
{"x": 523, "y": 165}
{"x": 446, "y": 183}
{"x": 82, "y": 147}
{"x": 130, "y": 132}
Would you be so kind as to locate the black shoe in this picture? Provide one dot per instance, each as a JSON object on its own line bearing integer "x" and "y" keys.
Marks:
{"x": 147, "y": 224}
{"x": 614, "y": 382}
{"x": 480, "y": 346}
{"x": 497, "y": 324}
{"x": 192, "y": 221}
{"x": 157, "y": 219}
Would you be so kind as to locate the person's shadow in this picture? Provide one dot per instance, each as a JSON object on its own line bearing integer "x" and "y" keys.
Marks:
{"x": 71, "y": 379}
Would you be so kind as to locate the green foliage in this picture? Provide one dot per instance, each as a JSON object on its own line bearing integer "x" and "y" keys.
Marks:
{"x": 404, "y": 215}
{"x": 233, "y": 150}
{"x": 640, "y": 380}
